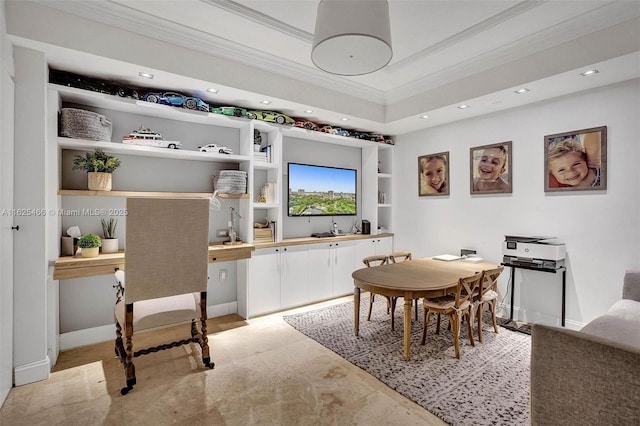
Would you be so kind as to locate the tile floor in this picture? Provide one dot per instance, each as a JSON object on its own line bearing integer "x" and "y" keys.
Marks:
{"x": 266, "y": 373}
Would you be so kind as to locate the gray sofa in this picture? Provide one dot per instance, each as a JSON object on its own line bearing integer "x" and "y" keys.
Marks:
{"x": 591, "y": 376}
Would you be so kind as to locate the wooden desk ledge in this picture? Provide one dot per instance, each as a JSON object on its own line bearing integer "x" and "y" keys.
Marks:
{"x": 67, "y": 267}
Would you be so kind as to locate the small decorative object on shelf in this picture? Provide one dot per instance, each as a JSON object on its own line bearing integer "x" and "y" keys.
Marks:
{"x": 257, "y": 140}
{"x": 230, "y": 110}
{"x": 213, "y": 147}
{"x": 270, "y": 116}
{"x": 99, "y": 166}
{"x": 90, "y": 245}
{"x": 230, "y": 181}
{"x": 109, "y": 242}
{"x": 147, "y": 137}
{"x": 82, "y": 124}
{"x": 176, "y": 99}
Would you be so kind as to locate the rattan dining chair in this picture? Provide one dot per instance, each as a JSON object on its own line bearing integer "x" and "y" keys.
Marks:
{"x": 378, "y": 260}
{"x": 487, "y": 294}
{"x": 455, "y": 306}
{"x": 396, "y": 257}
{"x": 166, "y": 265}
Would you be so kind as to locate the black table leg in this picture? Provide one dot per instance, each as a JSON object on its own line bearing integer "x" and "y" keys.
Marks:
{"x": 564, "y": 293}
{"x": 513, "y": 288}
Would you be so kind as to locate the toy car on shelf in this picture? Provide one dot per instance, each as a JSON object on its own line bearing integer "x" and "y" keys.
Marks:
{"x": 341, "y": 132}
{"x": 147, "y": 137}
{"x": 212, "y": 147}
{"x": 374, "y": 137}
{"x": 359, "y": 135}
{"x": 69, "y": 79}
{"x": 230, "y": 110}
{"x": 176, "y": 99}
{"x": 272, "y": 116}
{"x": 328, "y": 129}
{"x": 306, "y": 124}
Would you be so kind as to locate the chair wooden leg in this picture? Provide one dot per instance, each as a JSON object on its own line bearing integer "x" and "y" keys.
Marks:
{"x": 118, "y": 342}
{"x": 130, "y": 369}
{"x": 492, "y": 308}
{"x": 204, "y": 340}
{"x": 394, "y": 300}
{"x": 416, "y": 300}
{"x": 425, "y": 324}
{"x": 438, "y": 325}
{"x": 470, "y": 328}
{"x": 480, "y": 309}
{"x": 371, "y": 300}
{"x": 454, "y": 319}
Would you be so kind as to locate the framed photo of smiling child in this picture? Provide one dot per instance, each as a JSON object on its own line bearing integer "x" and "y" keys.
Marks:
{"x": 491, "y": 168}
{"x": 576, "y": 161}
{"x": 433, "y": 174}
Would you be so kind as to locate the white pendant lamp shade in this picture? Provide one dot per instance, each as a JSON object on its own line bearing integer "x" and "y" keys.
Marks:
{"x": 352, "y": 37}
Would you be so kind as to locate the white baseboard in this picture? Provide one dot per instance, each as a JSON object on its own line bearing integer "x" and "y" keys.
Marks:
{"x": 32, "y": 372}
{"x": 520, "y": 314}
{"x": 105, "y": 333}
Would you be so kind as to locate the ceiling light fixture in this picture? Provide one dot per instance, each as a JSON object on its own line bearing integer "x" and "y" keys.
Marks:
{"x": 265, "y": 102}
{"x": 344, "y": 119}
{"x": 463, "y": 106}
{"x": 523, "y": 90}
{"x": 590, "y": 72}
{"x": 424, "y": 117}
{"x": 352, "y": 37}
{"x": 145, "y": 75}
{"x": 309, "y": 111}
{"x": 212, "y": 90}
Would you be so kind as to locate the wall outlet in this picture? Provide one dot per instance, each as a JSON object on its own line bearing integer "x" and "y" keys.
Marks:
{"x": 222, "y": 232}
{"x": 223, "y": 274}
{"x": 466, "y": 252}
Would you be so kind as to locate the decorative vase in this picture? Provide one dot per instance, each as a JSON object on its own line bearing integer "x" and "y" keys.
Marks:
{"x": 256, "y": 148}
{"x": 90, "y": 251}
{"x": 99, "y": 181}
{"x": 109, "y": 245}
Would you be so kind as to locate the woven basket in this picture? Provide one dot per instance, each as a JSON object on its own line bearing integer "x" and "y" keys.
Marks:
{"x": 81, "y": 124}
{"x": 230, "y": 182}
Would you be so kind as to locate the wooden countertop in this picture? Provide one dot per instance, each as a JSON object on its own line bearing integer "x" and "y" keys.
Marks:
{"x": 314, "y": 240}
{"x": 67, "y": 267}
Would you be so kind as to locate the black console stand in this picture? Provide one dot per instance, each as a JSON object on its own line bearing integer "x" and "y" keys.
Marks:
{"x": 534, "y": 268}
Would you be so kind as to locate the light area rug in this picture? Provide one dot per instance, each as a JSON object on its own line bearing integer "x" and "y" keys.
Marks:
{"x": 488, "y": 385}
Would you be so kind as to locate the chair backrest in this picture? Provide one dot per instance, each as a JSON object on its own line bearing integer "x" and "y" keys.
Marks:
{"x": 489, "y": 280}
{"x": 375, "y": 260}
{"x": 466, "y": 289}
{"x": 400, "y": 256}
{"x": 166, "y": 251}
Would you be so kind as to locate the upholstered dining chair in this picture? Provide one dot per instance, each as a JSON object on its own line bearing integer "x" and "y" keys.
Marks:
{"x": 455, "y": 306}
{"x": 166, "y": 264}
{"x": 371, "y": 261}
{"x": 487, "y": 294}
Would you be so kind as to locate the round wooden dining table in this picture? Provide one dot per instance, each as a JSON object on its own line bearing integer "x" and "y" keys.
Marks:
{"x": 412, "y": 279}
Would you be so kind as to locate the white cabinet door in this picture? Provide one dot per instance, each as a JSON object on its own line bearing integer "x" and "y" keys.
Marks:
{"x": 343, "y": 260}
{"x": 384, "y": 245}
{"x": 264, "y": 281}
{"x": 364, "y": 248}
{"x": 294, "y": 276}
{"x": 320, "y": 275}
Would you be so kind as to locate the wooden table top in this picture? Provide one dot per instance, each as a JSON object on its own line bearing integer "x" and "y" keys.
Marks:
{"x": 419, "y": 274}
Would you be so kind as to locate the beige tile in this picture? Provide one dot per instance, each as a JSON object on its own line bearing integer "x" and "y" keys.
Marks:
{"x": 266, "y": 373}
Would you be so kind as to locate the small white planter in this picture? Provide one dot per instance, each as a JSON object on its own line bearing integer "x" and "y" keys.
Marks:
{"x": 256, "y": 148}
{"x": 98, "y": 181}
{"x": 109, "y": 245}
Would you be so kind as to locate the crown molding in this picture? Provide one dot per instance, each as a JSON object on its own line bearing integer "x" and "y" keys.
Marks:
{"x": 131, "y": 20}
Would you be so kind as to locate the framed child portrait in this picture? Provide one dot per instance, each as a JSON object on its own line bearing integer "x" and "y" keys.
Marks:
{"x": 490, "y": 168}
{"x": 433, "y": 174}
{"x": 576, "y": 161}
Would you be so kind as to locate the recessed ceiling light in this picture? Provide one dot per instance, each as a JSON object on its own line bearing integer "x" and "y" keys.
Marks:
{"x": 265, "y": 102}
{"x": 523, "y": 90}
{"x": 309, "y": 111}
{"x": 212, "y": 90}
{"x": 590, "y": 72}
{"x": 145, "y": 75}
{"x": 463, "y": 106}
{"x": 424, "y": 116}
{"x": 344, "y": 119}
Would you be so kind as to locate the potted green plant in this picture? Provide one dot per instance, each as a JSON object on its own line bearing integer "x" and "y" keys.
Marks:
{"x": 257, "y": 140}
{"x": 109, "y": 242}
{"x": 90, "y": 245}
{"x": 99, "y": 167}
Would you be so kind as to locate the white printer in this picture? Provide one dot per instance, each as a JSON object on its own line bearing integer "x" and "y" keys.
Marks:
{"x": 534, "y": 252}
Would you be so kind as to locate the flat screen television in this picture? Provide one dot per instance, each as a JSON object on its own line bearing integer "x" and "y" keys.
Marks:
{"x": 321, "y": 191}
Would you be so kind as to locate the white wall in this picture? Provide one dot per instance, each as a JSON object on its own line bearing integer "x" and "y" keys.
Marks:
{"x": 601, "y": 229}
{"x": 6, "y": 202}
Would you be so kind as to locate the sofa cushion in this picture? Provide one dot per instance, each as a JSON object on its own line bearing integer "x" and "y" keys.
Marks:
{"x": 620, "y": 324}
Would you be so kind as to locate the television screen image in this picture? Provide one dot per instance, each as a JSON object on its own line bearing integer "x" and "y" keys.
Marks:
{"x": 321, "y": 191}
